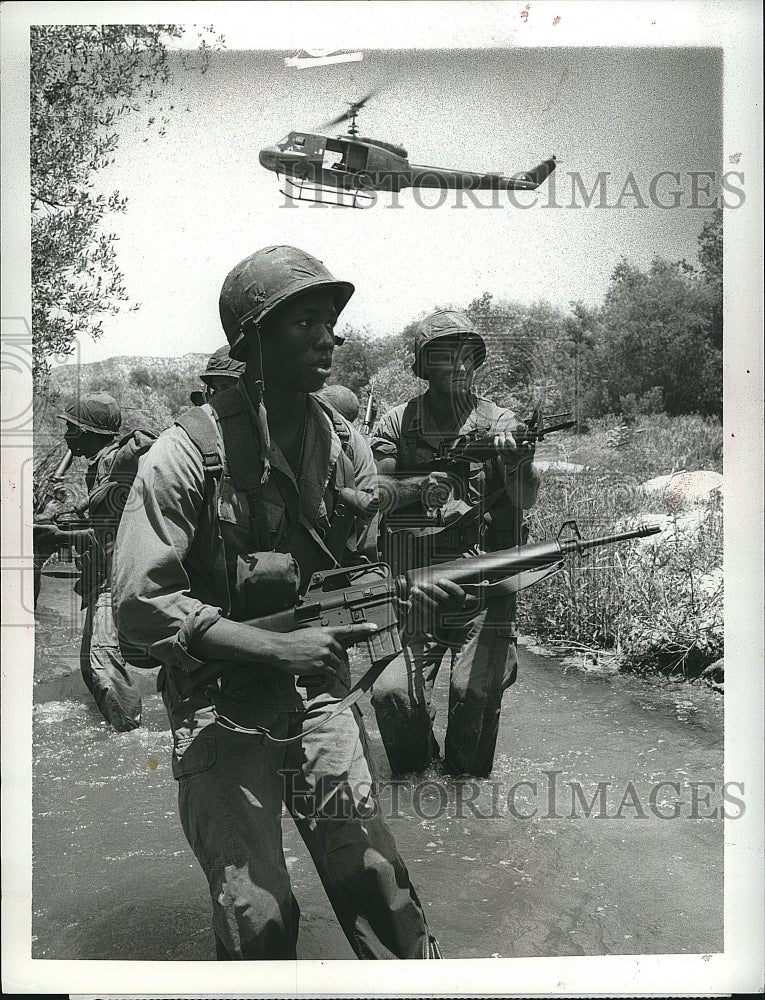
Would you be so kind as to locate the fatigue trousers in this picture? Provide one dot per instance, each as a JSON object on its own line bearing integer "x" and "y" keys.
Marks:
{"x": 103, "y": 667}
{"x": 231, "y": 789}
{"x": 482, "y": 668}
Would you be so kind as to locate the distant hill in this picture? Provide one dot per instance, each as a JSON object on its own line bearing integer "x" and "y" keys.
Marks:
{"x": 151, "y": 391}
{"x": 125, "y": 370}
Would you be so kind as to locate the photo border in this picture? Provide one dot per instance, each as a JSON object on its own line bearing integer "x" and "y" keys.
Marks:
{"x": 737, "y": 28}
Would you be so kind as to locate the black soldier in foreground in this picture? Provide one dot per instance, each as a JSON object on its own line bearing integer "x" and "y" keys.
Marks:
{"x": 203, "y": 546}
{"x": 92, "y": 424}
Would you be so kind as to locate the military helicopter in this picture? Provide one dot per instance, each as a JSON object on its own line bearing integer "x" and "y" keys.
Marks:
{"x": 352, "y": 167}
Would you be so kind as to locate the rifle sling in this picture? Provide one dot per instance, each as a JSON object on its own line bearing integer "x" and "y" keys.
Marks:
{"x": 362, "y": 685}
{"x": 520, "y": 581}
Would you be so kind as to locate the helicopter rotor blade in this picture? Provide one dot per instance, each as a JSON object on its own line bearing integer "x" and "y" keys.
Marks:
{"x": 335, "y": 121}
{"x": 358, "y": 105}
{"x": 353, "y": 108}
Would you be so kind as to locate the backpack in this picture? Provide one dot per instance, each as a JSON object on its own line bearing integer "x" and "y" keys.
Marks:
{"x": 106, "y": 501}
{"x": 124, "y": 469}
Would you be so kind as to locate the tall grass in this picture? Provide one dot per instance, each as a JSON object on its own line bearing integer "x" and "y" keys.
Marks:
{"x": 657, "y": 602}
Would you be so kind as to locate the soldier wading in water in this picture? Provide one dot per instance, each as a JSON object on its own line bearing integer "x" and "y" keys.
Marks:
{"x": 92, "y": 424}
{"x": 196, "y": 558}
{"x": 437, "y": 511}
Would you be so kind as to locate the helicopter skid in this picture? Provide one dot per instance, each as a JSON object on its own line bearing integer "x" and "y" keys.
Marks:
{"x": 300, "y": 189}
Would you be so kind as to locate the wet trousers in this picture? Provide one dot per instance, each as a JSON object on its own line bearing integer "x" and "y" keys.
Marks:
{"x": 103, "y": 667}
{"x": 231, "y": 789}
{"x": 482, "y": 668}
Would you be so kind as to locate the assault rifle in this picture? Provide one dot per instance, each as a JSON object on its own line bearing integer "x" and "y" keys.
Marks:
{"x": 477, "y": 447}
{"x": 369, "y": 593}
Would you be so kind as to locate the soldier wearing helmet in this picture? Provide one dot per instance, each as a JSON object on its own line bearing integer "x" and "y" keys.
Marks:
{"x": 343, "y": 399}
{"x": 438, "y": 510}
{"x": 92, "y": 424}
{"x": 195, "y": 560}
{"x": 221, "y": 372}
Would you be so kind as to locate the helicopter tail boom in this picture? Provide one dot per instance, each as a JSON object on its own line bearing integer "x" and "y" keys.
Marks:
{"x": 445, "y": 178}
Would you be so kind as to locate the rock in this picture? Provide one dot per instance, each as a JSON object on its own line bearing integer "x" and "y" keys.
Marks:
{"x": 555, "y": 466}
{"x": 681, "y": 490}
{"x": 715, "y": 672}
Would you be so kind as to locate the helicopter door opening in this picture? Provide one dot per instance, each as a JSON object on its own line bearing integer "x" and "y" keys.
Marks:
{"x": 344, "y": 156}
{"x": 332, "y": 160}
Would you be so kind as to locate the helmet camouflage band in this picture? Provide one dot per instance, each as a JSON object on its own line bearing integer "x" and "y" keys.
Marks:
{"x": 445, "y": 323}
{"x": 266, "y": 280}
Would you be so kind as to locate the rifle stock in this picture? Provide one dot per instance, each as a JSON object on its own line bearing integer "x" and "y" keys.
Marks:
{"x": 346, "y": 596}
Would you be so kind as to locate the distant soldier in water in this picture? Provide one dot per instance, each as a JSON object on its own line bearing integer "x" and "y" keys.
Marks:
{"x": 92, "y": 424}
{"x": 488, "y": 498}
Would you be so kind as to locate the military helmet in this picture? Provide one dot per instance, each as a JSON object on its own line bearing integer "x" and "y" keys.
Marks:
{"x": 445, "y": 323}
{"x": 265, "y": 280}
{"x": 97, "y": 412}
{"x": 222, "y": 364}
{"x": 343, "y": 399}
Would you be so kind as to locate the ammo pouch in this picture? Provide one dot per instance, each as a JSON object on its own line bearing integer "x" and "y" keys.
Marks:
{"x": 266, "y": 581}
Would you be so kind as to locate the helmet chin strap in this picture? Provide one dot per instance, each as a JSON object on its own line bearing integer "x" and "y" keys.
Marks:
{"x": 258, "y": 406}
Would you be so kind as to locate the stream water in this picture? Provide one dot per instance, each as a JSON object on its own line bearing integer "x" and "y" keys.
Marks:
{"x": 573, "y": 846}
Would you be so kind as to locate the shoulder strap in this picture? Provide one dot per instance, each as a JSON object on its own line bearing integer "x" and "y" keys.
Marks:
{"x": 344, "y": 472}
{"x": 244, "y": 461}
{"x": 202, "y": 432}
{"x": 201, "y": 429}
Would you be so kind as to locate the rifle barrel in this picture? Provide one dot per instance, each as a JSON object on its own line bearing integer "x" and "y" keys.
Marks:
{"x": 580, "y": 544}
{"x": 493, "y": 565}
{"x": 369, "y": 414}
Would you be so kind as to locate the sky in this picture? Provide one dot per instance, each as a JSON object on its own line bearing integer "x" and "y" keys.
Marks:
{"x": 199, "y": 201}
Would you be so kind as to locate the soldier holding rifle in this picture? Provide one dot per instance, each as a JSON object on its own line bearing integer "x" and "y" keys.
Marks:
{"x": 434, "y": 511}
{"x": 202, "y": 548}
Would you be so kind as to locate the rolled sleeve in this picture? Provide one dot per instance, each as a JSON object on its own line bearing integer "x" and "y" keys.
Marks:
{"x": 194, "y": 625}
{"x": 153, "y": 604}
{"x": 364, "y": 468}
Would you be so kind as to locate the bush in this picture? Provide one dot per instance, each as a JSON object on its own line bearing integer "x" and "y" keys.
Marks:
{"x": 658, "y": 605}
{"x": 647, "y": 446}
